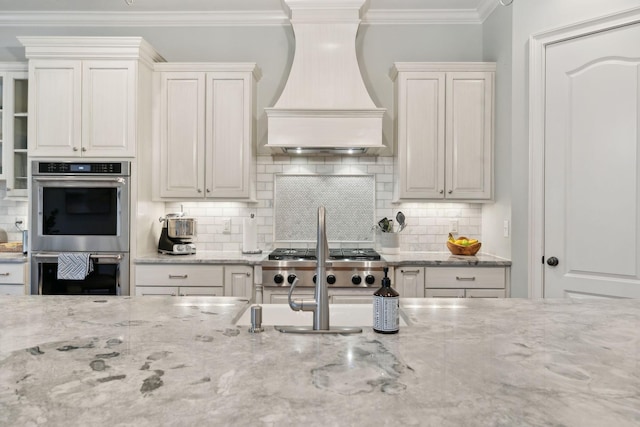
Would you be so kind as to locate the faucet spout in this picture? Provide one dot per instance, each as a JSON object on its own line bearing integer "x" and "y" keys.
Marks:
{"x": 321, "y": 313}
{"x": 320, "y": 304}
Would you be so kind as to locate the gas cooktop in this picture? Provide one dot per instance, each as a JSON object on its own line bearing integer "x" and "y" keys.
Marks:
{"x": 366, "y": 254}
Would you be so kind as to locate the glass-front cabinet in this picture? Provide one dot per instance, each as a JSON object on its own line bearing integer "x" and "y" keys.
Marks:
{"x": 13, "y": 132}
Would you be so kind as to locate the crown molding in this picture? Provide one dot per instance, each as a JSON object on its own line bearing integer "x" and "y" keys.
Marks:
{"x": 235, "y": 18}
{"x": 143, "y": 19}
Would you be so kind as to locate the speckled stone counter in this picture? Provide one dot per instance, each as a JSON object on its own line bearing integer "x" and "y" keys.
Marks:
{"x": 13, "y": 257}
{"x": 445, "y": 259}
{"x": 148, "y": 361}
{"x": 203, "y": 257}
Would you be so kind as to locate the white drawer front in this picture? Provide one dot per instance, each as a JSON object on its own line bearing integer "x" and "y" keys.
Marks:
{"x": 179, "y": 275}
{"x": 465, "y": 277}
{"x": 12, "y": 273}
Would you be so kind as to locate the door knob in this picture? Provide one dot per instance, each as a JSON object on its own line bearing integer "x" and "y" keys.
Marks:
{"x": 552, "y": 261}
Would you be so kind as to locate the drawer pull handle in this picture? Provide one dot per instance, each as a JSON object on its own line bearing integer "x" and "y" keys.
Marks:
{"x": 468, "y": 279}
{"x": 4, "y": 274}
{"x": 410, "y": 271}
{"x": 178, "y": 276}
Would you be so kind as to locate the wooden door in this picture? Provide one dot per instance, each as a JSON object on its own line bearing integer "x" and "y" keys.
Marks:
{"x": 109, "y": 115}
{"x": 182, "y": 140}
{"x": 238, "y": 281}
{"x": 591, "y": 163}
{"x": 421, "y": 134}
{"x": 469, "y": 135}
{"x": 55, "y": 108}
{"x": 228, "y": 135}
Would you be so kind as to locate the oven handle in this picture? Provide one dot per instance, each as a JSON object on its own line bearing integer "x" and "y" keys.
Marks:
{"x": 117, "y": 257}
{"x": 82, "y": 178}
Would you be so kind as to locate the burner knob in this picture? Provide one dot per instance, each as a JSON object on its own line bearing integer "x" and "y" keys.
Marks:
{"x": 356, "y": 279}
{"x": 314, "y": 278}
{"x": 331, "y": 279}
{"x": 291, "y": 278}
{"x": 278, "y": 278}
{"x": 370, "y": 279}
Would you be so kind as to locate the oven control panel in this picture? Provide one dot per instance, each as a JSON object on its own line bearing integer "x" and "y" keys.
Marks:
{"x": 80, "y": 168}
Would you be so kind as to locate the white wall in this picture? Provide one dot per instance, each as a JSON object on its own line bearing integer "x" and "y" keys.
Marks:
{"x": 531, "y": 17}
{"x": 497, "y": 48}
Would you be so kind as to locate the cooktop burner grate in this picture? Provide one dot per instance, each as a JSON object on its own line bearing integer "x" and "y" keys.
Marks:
{"x": 364, "y": 254}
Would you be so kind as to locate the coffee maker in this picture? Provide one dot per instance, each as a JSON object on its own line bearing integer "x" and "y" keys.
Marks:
{"x": 177, "y": 234}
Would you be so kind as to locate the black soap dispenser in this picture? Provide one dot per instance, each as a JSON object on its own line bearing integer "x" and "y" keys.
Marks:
{"x": 386, "y": 308}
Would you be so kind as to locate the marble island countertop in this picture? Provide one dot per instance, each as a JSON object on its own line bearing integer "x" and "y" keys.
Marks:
{"x": 116, "y": 361}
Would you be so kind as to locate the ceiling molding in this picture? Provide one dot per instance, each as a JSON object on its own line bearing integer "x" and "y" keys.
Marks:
{"x": 234, "y": 18}
{"x": 421, "y": 16}
{"x": 143, "y": 19}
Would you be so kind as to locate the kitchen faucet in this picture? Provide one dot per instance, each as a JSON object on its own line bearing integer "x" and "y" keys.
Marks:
{"x": 320, "y": 304}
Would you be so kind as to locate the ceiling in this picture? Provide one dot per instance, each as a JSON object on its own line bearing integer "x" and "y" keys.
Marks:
{"x": 227, "y": 12}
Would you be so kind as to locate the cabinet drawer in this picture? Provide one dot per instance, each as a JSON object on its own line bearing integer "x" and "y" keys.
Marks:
{"x": 179, "y": 275}
{"x": 12, "y": 273}
{"x": 465, "y": 277}
{"x": 444, "y": 293}
{"x": 200, "y": 291}
{"x": 12, "y": 289}
{"x": 486, "y": 293}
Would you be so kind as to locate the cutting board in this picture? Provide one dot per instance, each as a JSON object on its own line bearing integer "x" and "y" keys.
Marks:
{"x": 11, "y": 247}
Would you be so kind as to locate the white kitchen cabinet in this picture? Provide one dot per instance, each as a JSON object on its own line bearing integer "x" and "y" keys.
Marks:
{"x": 444, "y": 131}
{"x": 13, "y": 128}
{"x": 194, "y": 280}
{"x": 205, "y": 131}
{"x": 179, "y": 279}
{"x": 84, "y": 95}
{"x": 466, "y": 282}
{"x": 238, "y": 281}
{"x": 409, "y": 281}
{"x": 13, "y": 278}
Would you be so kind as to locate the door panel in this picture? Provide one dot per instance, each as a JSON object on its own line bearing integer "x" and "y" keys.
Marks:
{"x": 591, "y": 165}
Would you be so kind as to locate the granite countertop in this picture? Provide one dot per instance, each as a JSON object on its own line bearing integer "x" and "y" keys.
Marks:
{"x": 403, "y": 258}
{"x": 203, "y": 257}
{"x": 13, "y": 257}
{"x": 116, "y": 361}
{"x": 445, "y": 259}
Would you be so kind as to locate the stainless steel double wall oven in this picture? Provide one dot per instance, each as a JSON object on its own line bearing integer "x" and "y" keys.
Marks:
{"x": 80, "y": 207}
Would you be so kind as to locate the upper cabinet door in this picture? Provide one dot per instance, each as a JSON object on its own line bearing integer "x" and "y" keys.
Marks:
{"x": 55, "y": 107}
{"x": 469, "y": 135}
{"x": 108, "y": 108}
{"x": 181, "y": 131}
{"x": 421, "y": 134}
{"x": 228, "y": 135}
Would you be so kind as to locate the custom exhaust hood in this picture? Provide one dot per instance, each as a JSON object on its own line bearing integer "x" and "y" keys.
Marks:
{"x": 325, "y": 107}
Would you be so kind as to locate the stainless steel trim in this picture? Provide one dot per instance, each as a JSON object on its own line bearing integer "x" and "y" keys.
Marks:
{"x": 84, "y": 179}
{"x": 178, "y": 276}
{"x": 116, "y": 257}
{"x": 468, "y": 279}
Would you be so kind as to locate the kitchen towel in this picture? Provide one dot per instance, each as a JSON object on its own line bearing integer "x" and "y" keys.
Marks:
{"x": 74, "y": 266}
{"x": 250, "y": 236}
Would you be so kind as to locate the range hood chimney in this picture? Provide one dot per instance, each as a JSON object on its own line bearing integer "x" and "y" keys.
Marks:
{"x": 325, "y": 106}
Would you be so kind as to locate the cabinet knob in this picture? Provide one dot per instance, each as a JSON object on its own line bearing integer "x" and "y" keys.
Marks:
{"x": 553, "y": 261}
{"x": 75, "y": 148}
{"x": 450, "y": 191}
{"x": 248, "y": 274}
{"x": 208, "y": 191}
{"x": 441, "y": 191}
{"x": 199, "y": 190}
{"x": 84, "y": 148}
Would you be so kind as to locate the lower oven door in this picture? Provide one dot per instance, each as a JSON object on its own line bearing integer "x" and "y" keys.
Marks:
{"x": 110, "y": 276}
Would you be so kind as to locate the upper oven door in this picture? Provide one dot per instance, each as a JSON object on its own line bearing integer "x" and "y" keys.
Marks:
{"x": 87, "y": 213}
